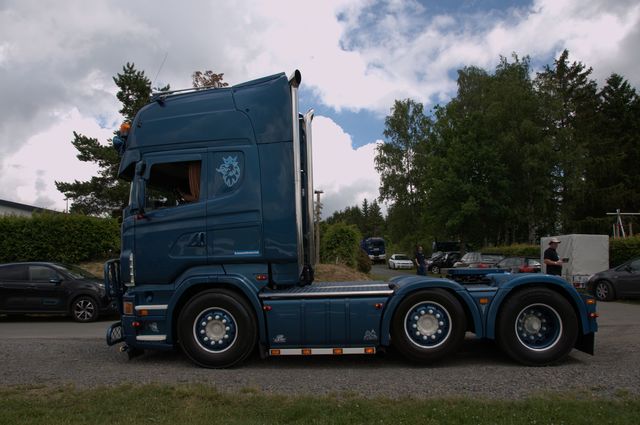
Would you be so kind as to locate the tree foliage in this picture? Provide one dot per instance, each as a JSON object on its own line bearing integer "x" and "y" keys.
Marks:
{"x": 105, "y": 194}
{"x": 513, "y": 156}
{"x": 208, "y": 79}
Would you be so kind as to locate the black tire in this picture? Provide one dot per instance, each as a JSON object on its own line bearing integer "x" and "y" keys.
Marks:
{"x": 603, "y": 291}
{"x": 428, "y": 325}
{"x": 537, "y": 327}
{"x": 435, "y": 270}
{"x": 217, "y": 329}
{"x": 84, "y": 309}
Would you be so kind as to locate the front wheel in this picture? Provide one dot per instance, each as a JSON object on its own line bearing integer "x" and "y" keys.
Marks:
{"x": 435, "y": 270}
{"x": 217, "y": 329}
{"x": 84, "y": 309}
{"x": 537, "y": 327}
{"x": 428, "y": 325}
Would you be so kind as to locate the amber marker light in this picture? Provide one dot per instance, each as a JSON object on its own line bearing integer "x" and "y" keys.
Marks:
{"x": 591, "y": 301}
{"x": 144, "y": 312}
{"x": 337, "y": 351}
{"x": 306, "y": 351}
{"x": 275, "y": 352}
{"x": 369, "y": 350}
{"x": 484, "y": 301}
{"x": 125, "y": 127}
{"x": 127, "y": 307}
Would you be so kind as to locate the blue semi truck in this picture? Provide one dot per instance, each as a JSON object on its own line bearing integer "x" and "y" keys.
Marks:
{"x": 218, "y": 253}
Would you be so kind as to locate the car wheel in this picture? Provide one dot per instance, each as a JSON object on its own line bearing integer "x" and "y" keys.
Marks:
{"x": 603, "y": 291}
{"x": 435, "y": 270}
{"x": 428, "y": 325}
{"x": 217, "y": 329}
{"x": 537, "y": 327}
{"x": 84, "y": 309}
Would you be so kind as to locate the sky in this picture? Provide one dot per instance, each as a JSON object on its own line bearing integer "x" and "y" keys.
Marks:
{"x": 57, "y": 60}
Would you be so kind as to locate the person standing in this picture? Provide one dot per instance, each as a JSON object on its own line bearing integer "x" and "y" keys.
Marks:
{"x": 420, "y": 262}
{"x": 551, "y": 259}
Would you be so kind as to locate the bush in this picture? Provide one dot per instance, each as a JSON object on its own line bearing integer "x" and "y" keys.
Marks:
{"x": 64, "y": 238}
{"x": 364, "y": 262}
{"x": 340, "y": 244}
{"x": 621, "y": 250}
{"x": 516, "y": 250}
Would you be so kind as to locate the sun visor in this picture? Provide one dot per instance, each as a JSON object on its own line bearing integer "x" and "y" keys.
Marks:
{"x": 127, "y": 164}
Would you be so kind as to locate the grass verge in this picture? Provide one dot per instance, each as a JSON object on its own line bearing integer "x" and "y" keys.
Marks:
{"x": 200, "y": 404}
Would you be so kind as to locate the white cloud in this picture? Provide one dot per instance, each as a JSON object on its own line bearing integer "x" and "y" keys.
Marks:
{"x": 346, "y": 176}
{"x": 29, "y": 174}
{"x": 57, "y": 63}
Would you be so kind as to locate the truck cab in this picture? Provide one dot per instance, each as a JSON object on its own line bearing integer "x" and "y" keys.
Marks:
{"x": 218, "y": 253}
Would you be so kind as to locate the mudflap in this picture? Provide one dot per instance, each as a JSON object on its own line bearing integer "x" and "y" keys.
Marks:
{"x": 586, "y": 343}
{"x": 115, "y": 334}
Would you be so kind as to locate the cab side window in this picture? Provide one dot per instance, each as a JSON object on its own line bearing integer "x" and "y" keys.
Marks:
{"x": 173, "y": 183}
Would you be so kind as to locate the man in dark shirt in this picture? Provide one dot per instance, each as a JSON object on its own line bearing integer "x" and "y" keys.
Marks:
{"x": 419, "y": 260}
{"x": 551, "y": 259}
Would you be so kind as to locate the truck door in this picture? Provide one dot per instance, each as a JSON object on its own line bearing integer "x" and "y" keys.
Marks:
{"x": 234, "y": 206}
{"x": 170, "y": 234}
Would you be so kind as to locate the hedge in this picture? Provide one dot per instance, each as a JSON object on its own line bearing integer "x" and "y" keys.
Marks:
{"x": 340, "y": 244}
{"x": 64, "y": 238}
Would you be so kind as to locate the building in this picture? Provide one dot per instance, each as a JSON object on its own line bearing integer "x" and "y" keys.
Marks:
{"x": 21, "y": 210}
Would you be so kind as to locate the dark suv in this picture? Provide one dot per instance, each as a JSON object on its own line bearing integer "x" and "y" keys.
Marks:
{"x": 443, "y": 261}
{"x": 52, "y": 288}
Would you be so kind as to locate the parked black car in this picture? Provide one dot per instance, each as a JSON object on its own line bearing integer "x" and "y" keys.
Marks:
{"x": 52, "y": 288}
{"x": 443, "y": 261}
{"x": 520, "y": 264}
{"x": 619, "y": 282}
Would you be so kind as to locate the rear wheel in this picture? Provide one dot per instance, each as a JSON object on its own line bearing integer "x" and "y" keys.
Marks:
{"x": 537, "y": 327}
{"x": 217, "y": 329}
{"x": 435, "y": 270}
{"x": 603, "y": 291}
{"x": 428, "y": 325}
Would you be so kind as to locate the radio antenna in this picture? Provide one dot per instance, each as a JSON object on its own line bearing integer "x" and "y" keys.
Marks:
{"x": 160, "y": 69}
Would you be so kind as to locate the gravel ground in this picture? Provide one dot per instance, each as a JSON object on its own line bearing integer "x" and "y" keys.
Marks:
{"x": 478, "y": 370}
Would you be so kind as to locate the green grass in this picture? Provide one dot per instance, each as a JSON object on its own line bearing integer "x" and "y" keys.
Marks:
{"x": 200, "y": 404}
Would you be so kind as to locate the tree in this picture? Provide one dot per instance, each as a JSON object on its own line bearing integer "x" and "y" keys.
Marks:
{"x": 104, "y": 194}
{"x": 611, "y": 172}
{"x": 570, "y": 104}
{"x": 208, "y": 79}
{"x": 401, "y": 164}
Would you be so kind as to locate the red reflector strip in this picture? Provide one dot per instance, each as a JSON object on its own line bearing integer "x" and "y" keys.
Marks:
{"x": 320, "y": 351}
{"x": 594, "y": 315}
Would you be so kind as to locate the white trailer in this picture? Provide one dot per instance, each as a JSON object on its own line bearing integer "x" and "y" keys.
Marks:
{"x": 583, "y": 255}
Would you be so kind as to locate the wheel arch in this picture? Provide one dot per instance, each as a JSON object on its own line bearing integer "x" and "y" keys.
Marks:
{"x": 473, "y": 317}
{"x": 195, "y": 285}
{"x": 518, "y": 285}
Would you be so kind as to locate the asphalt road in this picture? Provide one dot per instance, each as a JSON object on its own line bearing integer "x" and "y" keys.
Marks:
{"x": 53, "y": 351}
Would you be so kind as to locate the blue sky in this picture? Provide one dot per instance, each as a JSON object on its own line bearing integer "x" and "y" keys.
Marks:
{"x": 356, "y": 58}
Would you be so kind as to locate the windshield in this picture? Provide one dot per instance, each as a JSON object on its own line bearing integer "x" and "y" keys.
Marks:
{"x": 402, "y": 257}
